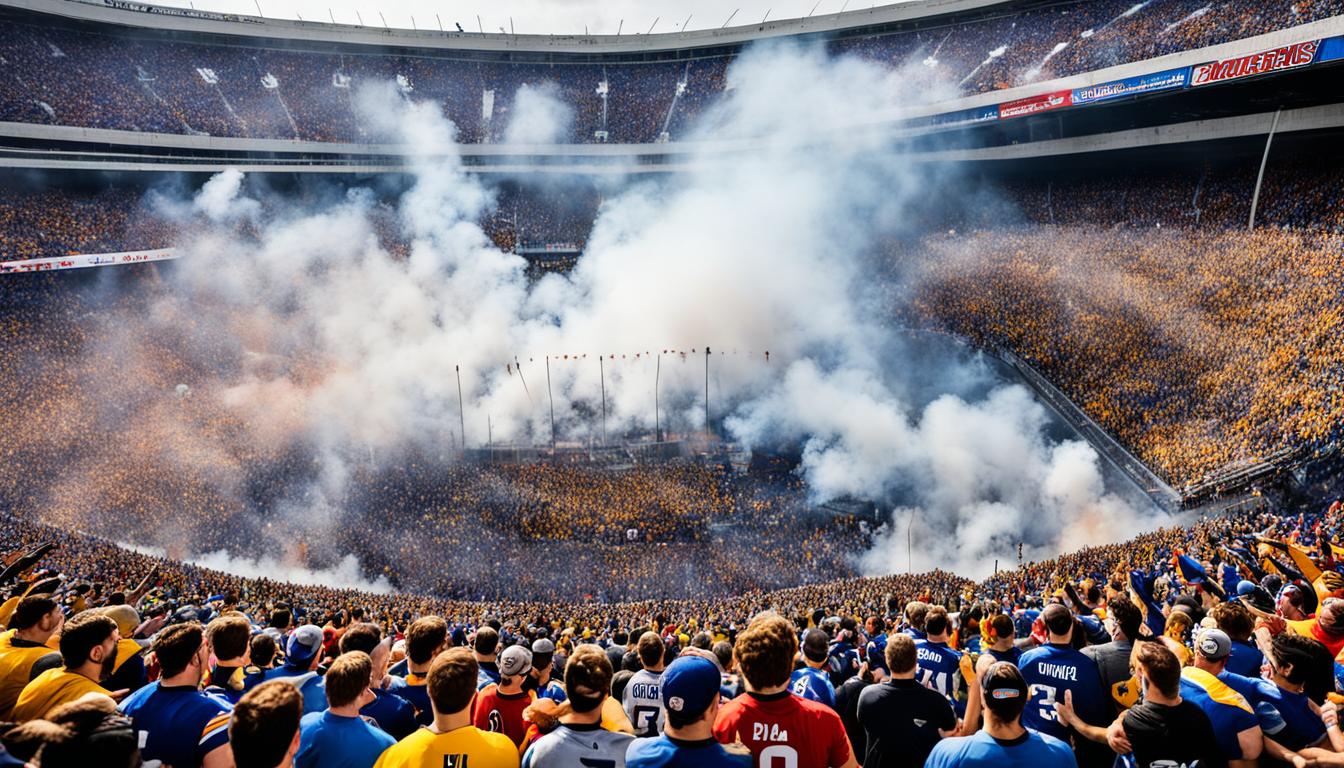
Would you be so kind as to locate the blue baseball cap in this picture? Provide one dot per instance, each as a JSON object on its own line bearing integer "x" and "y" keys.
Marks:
{"x": 690, "y": 684}
{"x": 303, "y": 645}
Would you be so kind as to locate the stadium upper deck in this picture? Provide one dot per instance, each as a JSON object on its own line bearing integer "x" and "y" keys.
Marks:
{"x": 118, "y": 66}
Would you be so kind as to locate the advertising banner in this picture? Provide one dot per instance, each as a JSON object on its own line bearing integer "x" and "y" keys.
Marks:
{"x": 1030, "y": 106}
{"x": 1133, "y": 86}
{"x": 83, "y": 260}
{"x": 1273, "y": 60}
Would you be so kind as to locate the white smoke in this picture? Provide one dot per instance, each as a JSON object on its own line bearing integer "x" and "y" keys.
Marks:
{"x": 345, "y": 574}
{"x": 539, "y": 116}
{"x": 749, "y": 252}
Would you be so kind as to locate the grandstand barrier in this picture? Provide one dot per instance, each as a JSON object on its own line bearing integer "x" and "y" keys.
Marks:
{"x": 86, "y": 260}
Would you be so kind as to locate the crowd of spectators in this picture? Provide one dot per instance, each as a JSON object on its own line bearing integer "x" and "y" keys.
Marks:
{"x": 1224, "y": 632}
{"x": 132, "y": 81}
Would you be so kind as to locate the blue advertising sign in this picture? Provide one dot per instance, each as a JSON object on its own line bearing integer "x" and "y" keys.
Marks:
{"x": 1133, "y": 86}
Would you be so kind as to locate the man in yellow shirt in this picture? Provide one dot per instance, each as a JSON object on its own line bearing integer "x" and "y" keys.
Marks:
{"x": 35, "y": 619}
{"x": 451, "y": 741}
{"x": 88, "y": 652}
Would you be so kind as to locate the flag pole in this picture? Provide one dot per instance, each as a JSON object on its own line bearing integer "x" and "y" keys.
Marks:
{"x": 602, "y": 373}
{"x": 551, "y": 396}
{"x": 709, "y": 434}
{"x": 461, "y": 412}
{"x": 657, "y": 424}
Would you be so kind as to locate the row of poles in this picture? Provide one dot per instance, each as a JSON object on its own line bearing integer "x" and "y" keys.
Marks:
{"x": 602, "y": 374}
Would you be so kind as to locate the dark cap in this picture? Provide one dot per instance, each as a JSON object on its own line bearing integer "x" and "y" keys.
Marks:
{"x": 816, "y": 645}
{"x": 1005, "y": 690}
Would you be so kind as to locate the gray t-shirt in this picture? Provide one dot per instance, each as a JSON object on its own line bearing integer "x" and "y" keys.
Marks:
{"x": 573, "y": 745}
{"x": 643, "y": 703}
{"x": 1113, "y": 662}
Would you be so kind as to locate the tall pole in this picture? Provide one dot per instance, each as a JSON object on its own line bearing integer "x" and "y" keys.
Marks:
{"x": 657, "y": 424}
{"x": 461, "y": 411}
{"x": 550, "y": 395}
{"x": 909, "y": 544}
{"x": 1264, "y": 159}
{"x": 519, "y": 366}
{"x": 489, "y": 432}
{"x": 709, "y": 435}
{"x": 602, "y": 373}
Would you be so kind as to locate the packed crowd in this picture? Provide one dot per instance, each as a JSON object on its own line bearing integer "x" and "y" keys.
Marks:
{"x": 1196, "y": 350}
{"x": 42, "y": 223}
{"x": 1211, "y": 644}
{"x": 129, "y": 81}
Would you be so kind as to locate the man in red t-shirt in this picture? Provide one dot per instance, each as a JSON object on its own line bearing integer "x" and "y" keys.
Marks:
{"x": 782, "y": 730}
{"x": 499, "y": 706}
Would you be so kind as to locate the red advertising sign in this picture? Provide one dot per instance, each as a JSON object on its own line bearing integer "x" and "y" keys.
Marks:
{"x": 1287, "y": 57}
{"x": 1042, "y": 103}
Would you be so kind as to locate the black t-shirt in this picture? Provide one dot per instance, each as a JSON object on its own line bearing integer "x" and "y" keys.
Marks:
{"x": 1181, "y": 734}
{"x": 901, "y": 719}
{"x": 847, "y": 705}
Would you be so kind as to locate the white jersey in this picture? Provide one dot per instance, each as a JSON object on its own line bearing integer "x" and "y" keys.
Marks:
{"x": 575, "y": 745}
{"x": 643, "y": 703}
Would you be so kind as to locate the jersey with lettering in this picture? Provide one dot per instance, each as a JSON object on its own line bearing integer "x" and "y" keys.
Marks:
{"x": 1049, "y": 671}
{"x": 643, "y": 703}
{"x": 1227, "y": 710}
{"x": 939, "y": 668}
{"x": 464, "y": 747}
{"x": 813, "y": 684}
{"x": 784, "y": 729}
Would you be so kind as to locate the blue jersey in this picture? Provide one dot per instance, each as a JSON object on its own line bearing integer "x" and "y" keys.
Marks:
{"x": 416, "y": 691}
{"x": 332, "y": 741}
{"x": 662, "y": 752}
{"x": 309, "y": 684}
{"x": 392, "y": 713}
{"x": 1227, "y": 710}
{"x": 1287, "y": 717}
{"x": 1032, "y": 750}
{"x": 176, "y": 724}
{"x": 843, "y": 660}
{"x": 1049, "y": 671}
{"x": 1012, "y": 655}
{"x": 939, "y": 668}
{"x": 813, "y": 684}
{"x": 1246, "y": 659}
{"x": 876, "y": 653}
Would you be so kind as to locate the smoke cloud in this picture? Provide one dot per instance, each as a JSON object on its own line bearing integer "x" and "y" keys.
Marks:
{"x": 354, "y": 352}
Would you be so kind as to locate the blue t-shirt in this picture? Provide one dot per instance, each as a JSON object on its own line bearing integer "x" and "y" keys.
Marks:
{"x": 939, "y": 668}
{"x": 1031, "y": 750}
{"x": 1245, "y": 660}
{"x": 665, "y": 752}
{"x": 1227, "y": 710}
{"x": 813, "y": 684}
{"x": 1012, "y": 655}
{"x": 1287, "y": 716}
{"x": 1049, "y": 671}
{"x": 172, "y": 722}
{"x": 332, "y": 741}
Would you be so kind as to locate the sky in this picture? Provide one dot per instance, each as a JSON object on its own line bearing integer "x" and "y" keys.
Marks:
{"x": 534, "y": 16}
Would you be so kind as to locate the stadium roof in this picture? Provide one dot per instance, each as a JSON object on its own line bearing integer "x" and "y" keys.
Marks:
{"x": 136, "y": 14}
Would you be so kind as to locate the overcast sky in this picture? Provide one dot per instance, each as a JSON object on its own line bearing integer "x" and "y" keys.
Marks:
{"x": 534, "y": 16}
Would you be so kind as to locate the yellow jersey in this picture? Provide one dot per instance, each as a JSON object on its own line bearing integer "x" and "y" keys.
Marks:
{"x": 465, "y": 747}
{"x": 50, "y": 690}
{"x": 16, "y": 668}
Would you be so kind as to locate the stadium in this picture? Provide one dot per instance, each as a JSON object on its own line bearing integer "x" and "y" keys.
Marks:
{"x": 1011, "y": 327}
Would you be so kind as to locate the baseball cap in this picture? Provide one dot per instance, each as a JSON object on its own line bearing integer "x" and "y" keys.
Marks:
{"x": 515, "y": 660}
{"x": 1214, "y": 644}
{"x": 816, "y": 645}
{"x": 690, "y": 684}
{"x": 543, "y": 651}
{"x": 304, "y": 644}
